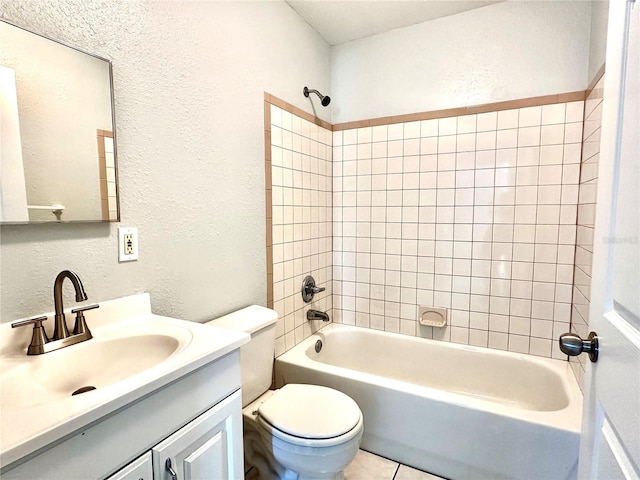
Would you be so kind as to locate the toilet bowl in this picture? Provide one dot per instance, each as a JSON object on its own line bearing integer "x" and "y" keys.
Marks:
{"x": 297, "y": 432}
{"x": 302, "y": 431}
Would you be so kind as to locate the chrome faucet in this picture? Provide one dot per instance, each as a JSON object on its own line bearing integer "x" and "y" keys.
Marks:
{"x": 317, "y": 315}
{"x": 60, "y": 330}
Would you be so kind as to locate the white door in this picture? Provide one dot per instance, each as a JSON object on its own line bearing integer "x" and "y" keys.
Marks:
{"x": 610, "y": 447}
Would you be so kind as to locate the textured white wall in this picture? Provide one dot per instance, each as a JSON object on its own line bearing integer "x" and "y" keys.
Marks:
{"x": 189, "y": 81}
{"x": 505, "y": 51}
{"x": 598, "y": 38}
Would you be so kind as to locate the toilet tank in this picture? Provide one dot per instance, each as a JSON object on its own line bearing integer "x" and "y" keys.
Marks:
{"x": 256, "y": 357}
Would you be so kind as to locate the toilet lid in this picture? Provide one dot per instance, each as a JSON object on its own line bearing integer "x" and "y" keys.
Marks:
{"x": 310, "y": 411}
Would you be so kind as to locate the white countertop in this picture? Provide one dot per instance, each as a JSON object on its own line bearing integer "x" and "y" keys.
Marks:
{"x": 27, "y": 425}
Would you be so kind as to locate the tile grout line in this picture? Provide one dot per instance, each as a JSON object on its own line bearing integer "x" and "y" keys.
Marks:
{"x": 396, "y": 472}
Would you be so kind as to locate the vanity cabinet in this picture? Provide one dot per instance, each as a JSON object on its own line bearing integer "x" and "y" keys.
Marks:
{"x": 195, "y": 420}
{"x": 139, "y": 469}
{"x": 204, "y": 448}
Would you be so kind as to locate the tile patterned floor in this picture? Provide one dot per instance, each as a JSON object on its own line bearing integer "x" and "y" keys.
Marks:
{"x": 367, "y": 466}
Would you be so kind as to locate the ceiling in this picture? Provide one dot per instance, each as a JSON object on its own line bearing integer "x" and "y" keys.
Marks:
{"x": 339, "y": 21}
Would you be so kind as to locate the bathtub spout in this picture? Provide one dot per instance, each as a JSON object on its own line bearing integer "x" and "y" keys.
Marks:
{"x": 317, "y": 315}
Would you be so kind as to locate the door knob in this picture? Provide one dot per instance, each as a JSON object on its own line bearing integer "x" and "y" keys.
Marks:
{"x": 573, "y": 345}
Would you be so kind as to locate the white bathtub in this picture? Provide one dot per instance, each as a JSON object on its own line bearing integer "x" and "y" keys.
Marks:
{"x": 456, "y": 411}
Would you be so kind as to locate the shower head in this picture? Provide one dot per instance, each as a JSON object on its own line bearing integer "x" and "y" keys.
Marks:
{"x": 324, "y": 100}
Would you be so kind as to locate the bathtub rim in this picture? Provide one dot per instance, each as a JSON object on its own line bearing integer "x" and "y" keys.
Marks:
{"x": 568, "y": 418}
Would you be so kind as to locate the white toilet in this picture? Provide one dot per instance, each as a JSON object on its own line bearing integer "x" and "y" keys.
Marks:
{"x": 296, "y": 432}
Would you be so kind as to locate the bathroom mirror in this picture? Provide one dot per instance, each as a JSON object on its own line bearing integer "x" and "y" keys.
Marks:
{"x": 57, "y": 141}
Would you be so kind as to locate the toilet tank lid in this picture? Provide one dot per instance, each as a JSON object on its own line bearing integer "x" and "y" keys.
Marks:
{"x": 248, "y": 320}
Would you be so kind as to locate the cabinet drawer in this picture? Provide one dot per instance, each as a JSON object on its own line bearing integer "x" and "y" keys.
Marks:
{"x": 139, "y": 469}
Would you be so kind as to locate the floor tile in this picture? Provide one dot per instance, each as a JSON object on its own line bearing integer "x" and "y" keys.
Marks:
{"x": 408, "y": 473}
{"x": 367, "y": 466}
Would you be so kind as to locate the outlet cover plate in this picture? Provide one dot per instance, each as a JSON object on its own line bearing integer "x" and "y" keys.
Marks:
{"x": 127, "y": 244}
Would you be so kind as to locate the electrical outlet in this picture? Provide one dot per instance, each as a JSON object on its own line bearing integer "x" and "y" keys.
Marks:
{"x": 127, "y": 244}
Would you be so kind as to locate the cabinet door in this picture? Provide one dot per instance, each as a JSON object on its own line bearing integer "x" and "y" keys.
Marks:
{"x": 139, "y": 469}
{"x": 207, "y": 448}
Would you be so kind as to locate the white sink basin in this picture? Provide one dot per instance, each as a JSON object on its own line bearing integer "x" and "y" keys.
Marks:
{"x": 132, "y": 353}
{"x": 97, "y": 363}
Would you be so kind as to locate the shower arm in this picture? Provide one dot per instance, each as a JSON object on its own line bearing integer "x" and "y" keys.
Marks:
{"x": 307, "y": 91}
{"x": 324, "y": 99}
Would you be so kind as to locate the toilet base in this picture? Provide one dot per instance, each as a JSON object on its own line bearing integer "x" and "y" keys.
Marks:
{"x": 266, "y": 465}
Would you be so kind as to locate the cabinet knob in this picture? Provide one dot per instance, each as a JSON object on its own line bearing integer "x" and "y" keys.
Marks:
{"x": 170, "y": 470}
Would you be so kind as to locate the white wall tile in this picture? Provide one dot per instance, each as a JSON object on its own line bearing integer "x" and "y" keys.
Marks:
{"x": 507, "y": 119}
{"x": 528, "y": 136}
{"x": 518, "y": 343}
{"x": 552, "y": 134}
{"x": 395, "y": 131}
{"x": 574, "y": 112}
{"x": 447, "y": 126}
{"x": 485, "y": 159}
{"x": 378, "y": 133}
{"x": 447, "y": 144}
{"x": 412, "y": 130}
{"x": 467, "y": 124}
{"x": 449, "y": 220}
{"x": 554, "y": 113}
{"x": 506, "y": 157}
{"x": 507, "y": 138}
{"x": 429, "y": 128}
{"x": 530, "y": 116}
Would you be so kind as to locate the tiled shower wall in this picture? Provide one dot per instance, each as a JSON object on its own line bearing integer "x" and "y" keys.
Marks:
{"x": 299, "y": 228}
{"x": 586, "y": 220}
{"x": 476, "y": 213}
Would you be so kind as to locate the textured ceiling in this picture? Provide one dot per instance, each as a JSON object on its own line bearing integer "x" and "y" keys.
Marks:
{"x": 339, "y": 21}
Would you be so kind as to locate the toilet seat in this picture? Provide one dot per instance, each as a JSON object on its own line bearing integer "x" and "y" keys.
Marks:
{"x": 310, "y": 415}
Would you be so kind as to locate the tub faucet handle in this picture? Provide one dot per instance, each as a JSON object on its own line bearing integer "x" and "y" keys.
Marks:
{"x": 309, "y": 289}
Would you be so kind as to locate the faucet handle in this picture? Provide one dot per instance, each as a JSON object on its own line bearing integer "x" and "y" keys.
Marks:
{"x": 309, "y": 289}
{"x": 37, "y": 321}
{"x": 81, "y": 324}
{"x": 39, "y": 336}
{"x": 86, "y": 307}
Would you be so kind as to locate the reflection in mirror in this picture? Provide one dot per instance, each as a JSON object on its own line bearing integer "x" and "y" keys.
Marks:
{"x": 57, "y": 145}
